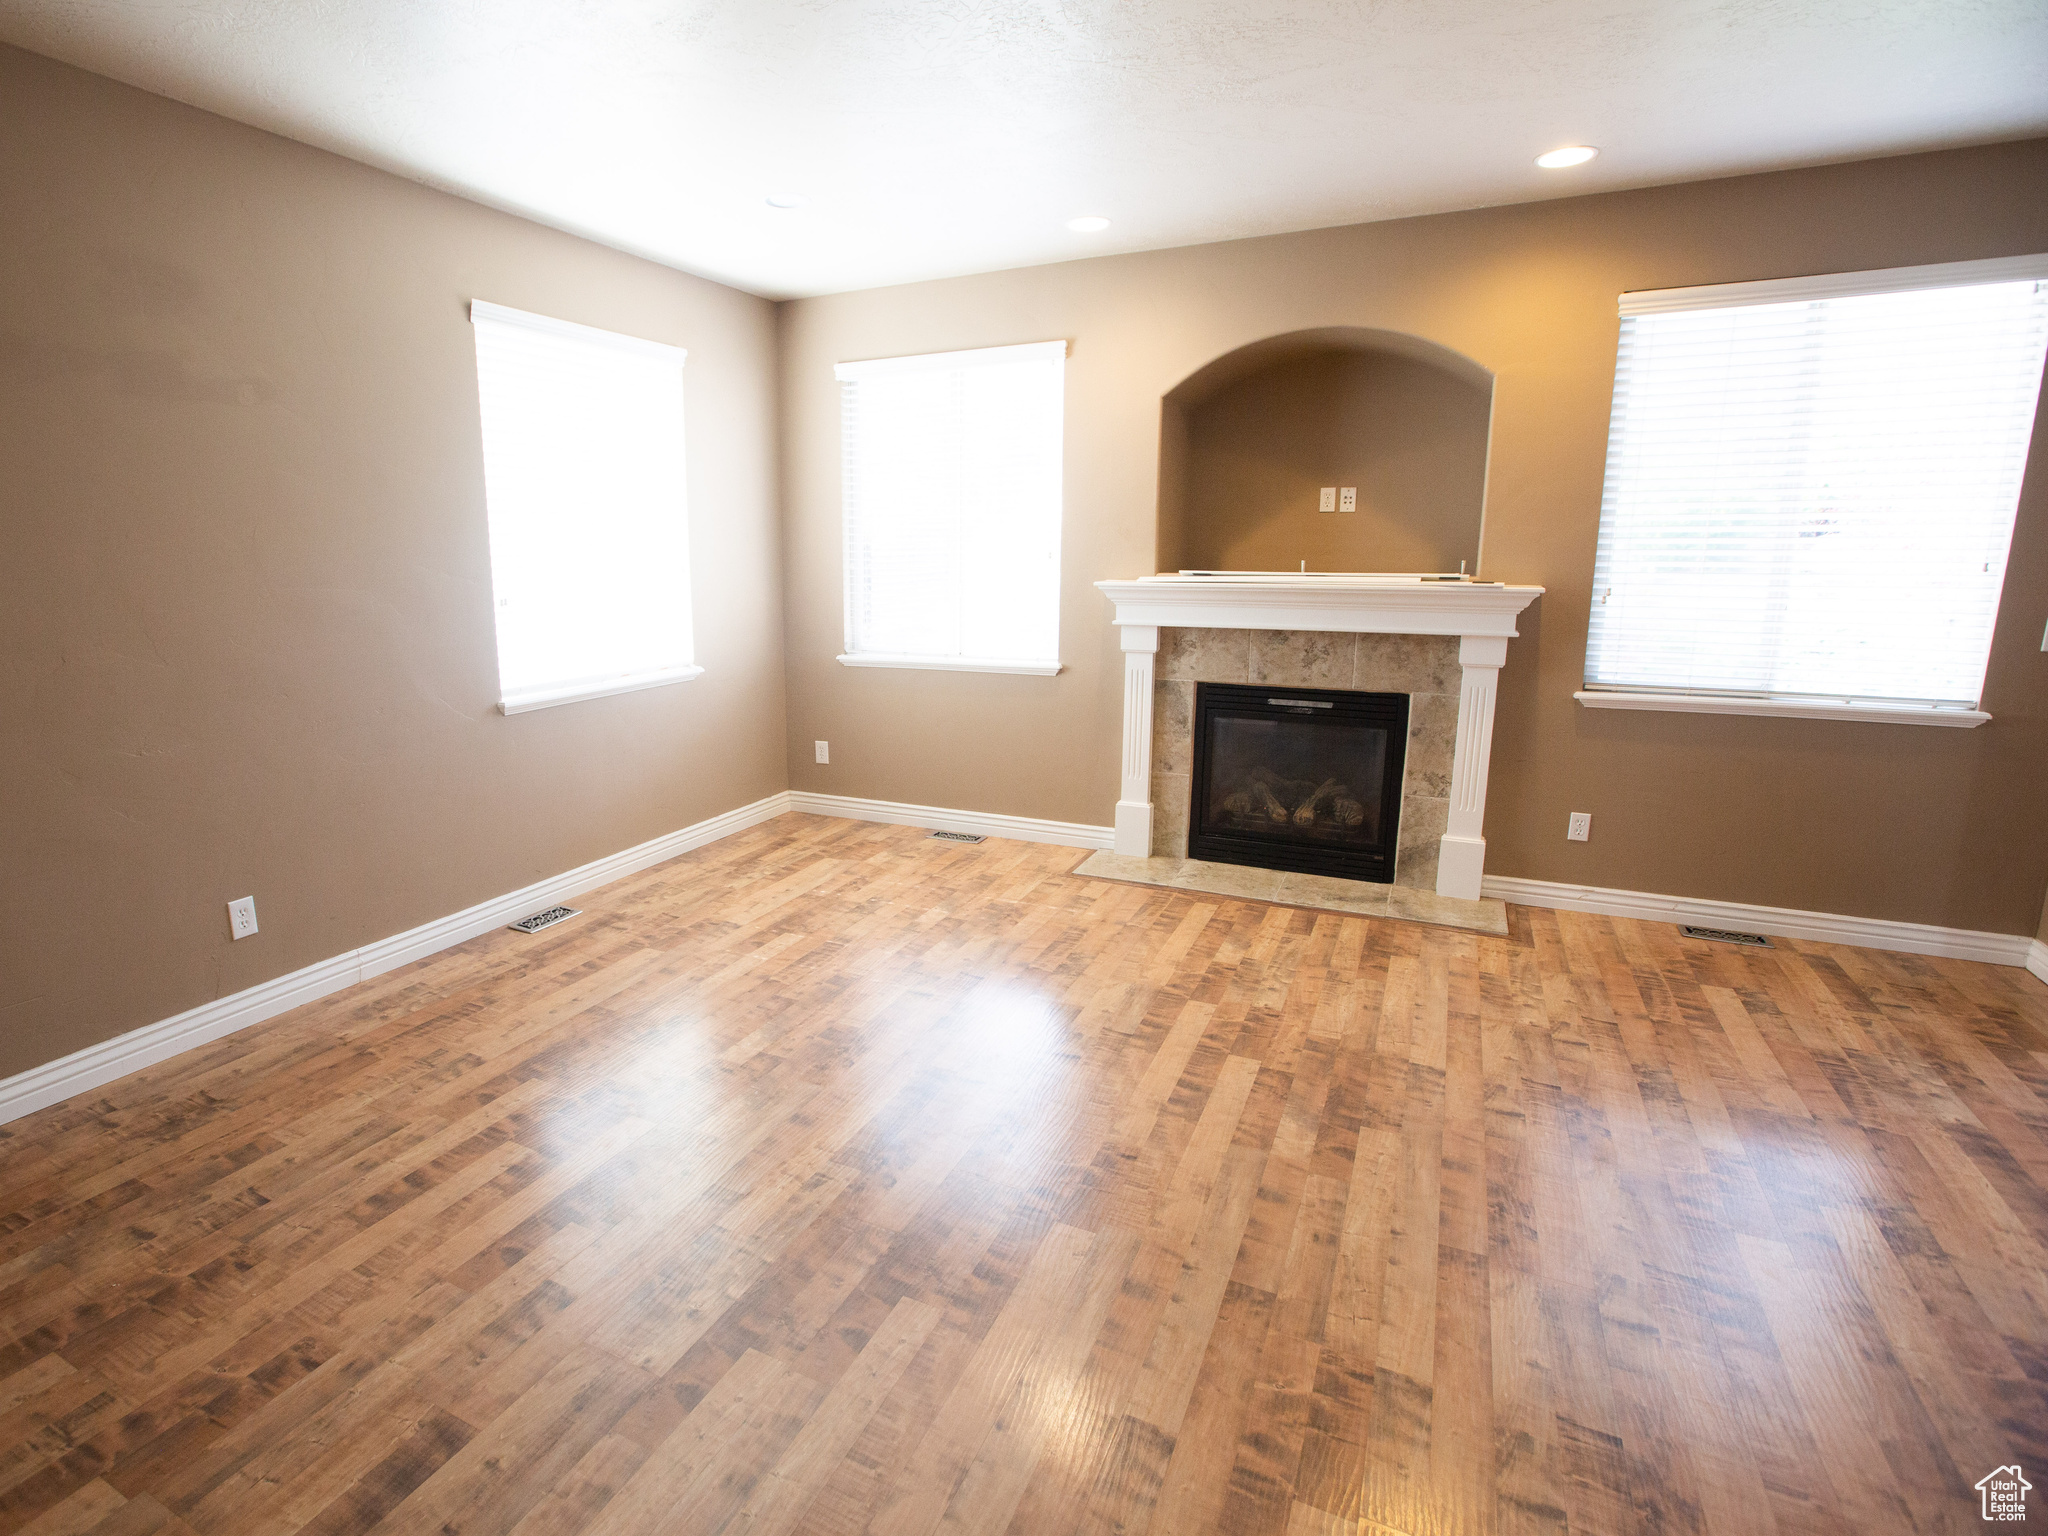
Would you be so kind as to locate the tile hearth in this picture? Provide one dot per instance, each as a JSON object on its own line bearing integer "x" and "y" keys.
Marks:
{"x": 1354, "y": 898}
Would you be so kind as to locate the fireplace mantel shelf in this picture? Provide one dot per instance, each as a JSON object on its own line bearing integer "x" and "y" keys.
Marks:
{"x": 1481, "y": 613}
{"x": 1354, "y": 604}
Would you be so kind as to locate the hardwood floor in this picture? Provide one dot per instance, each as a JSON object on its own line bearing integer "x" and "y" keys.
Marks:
{"x": 832, "y": 1179}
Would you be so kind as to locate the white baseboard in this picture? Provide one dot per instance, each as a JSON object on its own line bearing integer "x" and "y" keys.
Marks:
{"x": 98, "y": 1065}
{"x": 1787, "y": 922}
{"x": 1028, "y": 829}
{"x": 430, "y": 938}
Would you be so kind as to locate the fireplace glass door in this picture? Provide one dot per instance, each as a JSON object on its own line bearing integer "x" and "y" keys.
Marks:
{"x": 1298, "y": 779}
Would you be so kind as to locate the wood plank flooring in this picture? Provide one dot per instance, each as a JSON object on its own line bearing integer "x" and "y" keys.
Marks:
{"x": 831, "y": 1179}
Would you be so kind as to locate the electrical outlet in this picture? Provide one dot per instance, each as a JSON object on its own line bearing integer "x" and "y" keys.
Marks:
{"x": 824, "y": 750}
{"x": 1328, "y": 502}
{"x": 1580, "y": 828}
{"x": 1347, "y": 499}
{"x": 242, "y": 917}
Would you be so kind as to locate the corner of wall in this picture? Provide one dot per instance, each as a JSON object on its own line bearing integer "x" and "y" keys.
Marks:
{"x": 1170, "y": 529}
{"x": 785, "y": 535}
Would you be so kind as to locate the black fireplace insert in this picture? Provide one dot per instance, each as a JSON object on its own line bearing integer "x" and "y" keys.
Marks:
{"x": 1305, "y": 779}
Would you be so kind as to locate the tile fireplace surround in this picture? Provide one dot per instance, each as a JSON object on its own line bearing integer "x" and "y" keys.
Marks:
{"x": 1440, "y": 642}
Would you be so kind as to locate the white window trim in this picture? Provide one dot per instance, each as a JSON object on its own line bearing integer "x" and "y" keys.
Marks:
{"x": 1836, "y": 285}
{"x": 548, "y": 698}
{"x": 523, "y": 703}
{"x": 1649, "y": 301}
{"x": 618, "y": 341}
{"x": 949, "y": 663}
{"x": 1785, "y": 709}
{"x": 932, "y": 362}
{"x": 924, "y": 362}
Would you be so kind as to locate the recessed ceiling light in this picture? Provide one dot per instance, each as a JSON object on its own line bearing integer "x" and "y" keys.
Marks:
{"x": 1088, "y": 224}
{"x": 784, "y": 200}
{"x": 1571, "y": 154}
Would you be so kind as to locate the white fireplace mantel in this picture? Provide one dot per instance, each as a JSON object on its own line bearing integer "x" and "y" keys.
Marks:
{"x": 1481, "y": 613}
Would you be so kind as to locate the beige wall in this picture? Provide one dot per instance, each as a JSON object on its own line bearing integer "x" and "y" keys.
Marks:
{"x": 1409, "y": 437}
{"x": 245, "y": 594}
{"x": 1930, "y": 825}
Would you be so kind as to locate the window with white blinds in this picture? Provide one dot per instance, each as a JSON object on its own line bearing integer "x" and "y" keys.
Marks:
{"x": 583, "y": 477}
{"x": 951, "y": 508}
{"x": 1811, "y": 487}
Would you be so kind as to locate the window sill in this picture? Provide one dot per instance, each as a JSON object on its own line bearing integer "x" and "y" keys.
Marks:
{"x": 951, "y": 664}
{"x": 1791, "y": 709}
{"x": 631, "y": 684}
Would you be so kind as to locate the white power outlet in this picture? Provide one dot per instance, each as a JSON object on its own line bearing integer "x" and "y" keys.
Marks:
{"x": 242, "y": 917}
{"x": 1347, "y": 499}
{"x": 1328, "y": 501}
{"x": 1580, "y": 828}
{"x": 824, "y": 750}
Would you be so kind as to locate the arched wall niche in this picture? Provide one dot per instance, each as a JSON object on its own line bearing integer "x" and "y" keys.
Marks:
{"x": 1247, "y": 441}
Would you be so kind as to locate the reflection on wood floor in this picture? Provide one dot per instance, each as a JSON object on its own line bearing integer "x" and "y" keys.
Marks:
{"x": 831, "y": 1179}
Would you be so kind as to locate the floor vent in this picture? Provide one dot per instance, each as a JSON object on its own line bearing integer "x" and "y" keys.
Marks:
{"x": 541, "y": 920}
{"x": 960, "y": 837}
{"x": 1725, "y": 936}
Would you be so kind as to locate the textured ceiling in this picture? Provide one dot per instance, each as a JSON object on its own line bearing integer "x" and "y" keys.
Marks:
{"x": 931, "y": 137}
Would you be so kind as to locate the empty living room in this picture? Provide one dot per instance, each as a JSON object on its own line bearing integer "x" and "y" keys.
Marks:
{"x": 1023, "y": 767}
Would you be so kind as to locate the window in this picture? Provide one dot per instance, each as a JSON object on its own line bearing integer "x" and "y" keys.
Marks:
{"x": 583, "y": 476}
{"x": 952, "y": 509}
{"x": 1810, "y": 492}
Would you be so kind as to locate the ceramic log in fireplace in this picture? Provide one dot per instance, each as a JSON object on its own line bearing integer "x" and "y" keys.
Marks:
{"x": 1300, "y": 779}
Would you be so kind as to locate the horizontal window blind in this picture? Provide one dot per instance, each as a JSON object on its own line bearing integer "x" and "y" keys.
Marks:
{"x": 1811, "y": 485}
{"x": 952, "y": 500}
{"x": 583, "y": 476}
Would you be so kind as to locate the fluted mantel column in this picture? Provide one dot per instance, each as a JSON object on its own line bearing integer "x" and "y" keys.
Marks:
{"x": 1461, "y": 863}
{"x": 1134, "y": 804}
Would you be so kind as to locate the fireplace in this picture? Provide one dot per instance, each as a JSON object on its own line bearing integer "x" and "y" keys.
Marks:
{"x": 1438, "y": 640}
{"x": 1301, "y": 779}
